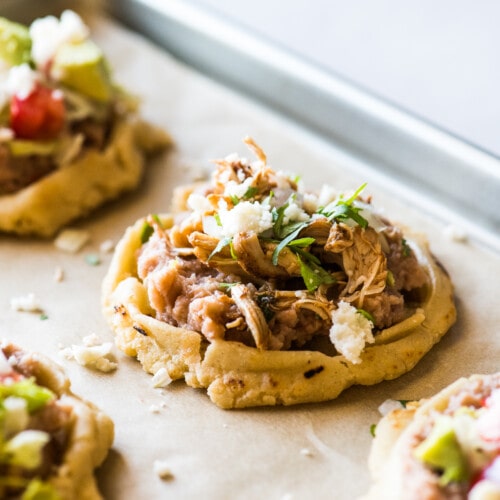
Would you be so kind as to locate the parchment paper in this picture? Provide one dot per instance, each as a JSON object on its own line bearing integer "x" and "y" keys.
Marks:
{"x": 311, "y": 451}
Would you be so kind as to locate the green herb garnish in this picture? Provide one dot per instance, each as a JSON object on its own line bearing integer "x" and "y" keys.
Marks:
{"x": 373, "y": 429}
{"x": 224, "y": 242}
{"x": 92, "y": 259}
{"x": 217, "y": 219}
{"x": 343, "y": 210}
{"x": 313, "y": 274}
{"x": 390, "y": 278}
{"x": 250, "y": 192}
{"x": 366, "y": 314}
{"x": 43, "y": 317}
{"x": 146, "y": 232}
{"x": 406, "y": 248}
{"x": 35, "y": 395}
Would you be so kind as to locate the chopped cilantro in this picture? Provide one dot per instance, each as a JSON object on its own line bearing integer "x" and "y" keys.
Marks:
{"x": 406, "y": 250}
{"x": 227, "y": 286}
{"x": 233, "y": 252}
{"x": 217, "y": 219}
{"x": 250, "y": 192}
{"x": 234, "y": 199}
{"x": 146, "y": 232}
{"x": 301, "y": 242}
{"x": 92, "y": 259}
{"x": 147, "y": 229}
{"x": 404, "y": 402}
{"x": 366, "y": 314}
{"x": 343, "y": 210}
{"x": 313, "y": 274}
{"x": 390, "y": 278}
{"x": 224, "y": 242}
{"x": 43, "y": 317}
{"x": 373, "y": 429}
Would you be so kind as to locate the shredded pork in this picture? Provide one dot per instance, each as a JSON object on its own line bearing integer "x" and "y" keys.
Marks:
{"x": 254, "y": 288}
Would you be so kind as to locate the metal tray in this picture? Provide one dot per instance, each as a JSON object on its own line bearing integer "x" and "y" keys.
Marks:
{"x": 458, "y": 181}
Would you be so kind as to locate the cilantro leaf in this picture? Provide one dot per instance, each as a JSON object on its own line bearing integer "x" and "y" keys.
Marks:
{"x": 366, "y": 314}
{"x": 224, "y": 242}
{"x": 314, "y": 275}
{"x": 146, "y": 232}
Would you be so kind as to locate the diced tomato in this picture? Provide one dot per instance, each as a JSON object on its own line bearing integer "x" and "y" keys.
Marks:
{"x": 38, "y": 116}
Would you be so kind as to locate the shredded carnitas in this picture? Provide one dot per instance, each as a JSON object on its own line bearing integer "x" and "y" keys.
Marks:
{"x": 255, "y": 258}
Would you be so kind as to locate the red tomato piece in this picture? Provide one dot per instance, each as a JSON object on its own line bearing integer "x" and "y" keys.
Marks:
{"x": 39, "y": 116}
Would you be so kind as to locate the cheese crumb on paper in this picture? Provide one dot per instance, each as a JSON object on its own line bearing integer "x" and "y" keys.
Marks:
{"x": 26, "y": 303}
{"x": 93, "y": 354}
{"x": 162, "y": 469}
{"x": 161, "y": 378}
{"x": 72, "y": 240}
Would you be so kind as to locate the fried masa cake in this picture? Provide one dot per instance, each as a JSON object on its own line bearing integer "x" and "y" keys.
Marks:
{"x": 445, "y": 447}
{"x": 265, "y": 293}
{"x": 51, "y": 439}
{"x": 70, "y": 138}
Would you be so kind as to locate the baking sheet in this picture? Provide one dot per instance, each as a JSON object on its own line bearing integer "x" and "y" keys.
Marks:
{"x": 309, "y": 451}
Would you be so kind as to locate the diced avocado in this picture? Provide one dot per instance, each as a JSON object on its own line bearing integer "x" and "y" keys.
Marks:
{"x": 82, "y": 67}
{"x": 25, "y": 449}
{"x": 39, "y": 490}
{"x": 441, "y": 450}
{"x": 21, "y": 147}
{"x": 36, "y": 396}
{"x": 15, "y": 43}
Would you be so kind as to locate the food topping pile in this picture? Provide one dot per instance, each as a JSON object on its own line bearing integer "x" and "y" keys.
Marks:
{"x": 257, "y": 259}
{"x": 34, "y": 430}
{"x": 57, "y": 97}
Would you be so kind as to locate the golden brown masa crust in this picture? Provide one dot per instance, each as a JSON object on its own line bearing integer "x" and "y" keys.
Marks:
{"x": 239, "y": 376}
{"x": 71, "y": 192}
{"x": 91, "y": 433}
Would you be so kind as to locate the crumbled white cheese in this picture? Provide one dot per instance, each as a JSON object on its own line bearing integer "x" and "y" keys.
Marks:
{"x": 161, "y": 378}
{"x": 154, "y": 409}
{"x": 21, "y": 81}
{"x": 294, "y": 213}
{"x": 245, "y": 216}
{"x": 310, "y": 202}
{"x": 72, "y": 240}
{"x": 58, "y": 274}
{"x": 485, "y": 489}
{"x": 26, "y": 303}
{"x": 162, "y": 469}
{"x": 106, "y": 246}
{"x": 282, "y": 179}
{"x": 199, "y": 203}
{"x": 93, "y": 354}
{"x": 350, "y": 332}
{"x": 455, "y": 233}
{"x": 6, "y": 134}
{"x": 388, "y": 405}
{"x": 16, "y": 416}
{"x": 49, "y": 33}
{"x": 238, "y": 189}
{"x": 326, "y": 195}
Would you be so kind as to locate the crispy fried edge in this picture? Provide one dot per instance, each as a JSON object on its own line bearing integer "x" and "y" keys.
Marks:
{"x": 71, "y": 192}
{"x": 238, "y": 376}
{"x": 91, "y": 434}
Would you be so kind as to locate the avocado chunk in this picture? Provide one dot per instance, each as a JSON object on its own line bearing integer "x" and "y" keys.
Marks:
{"x": 15, "y": 43}
{"x": 441, "y": 450}
{"x": 83, "y": 68}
